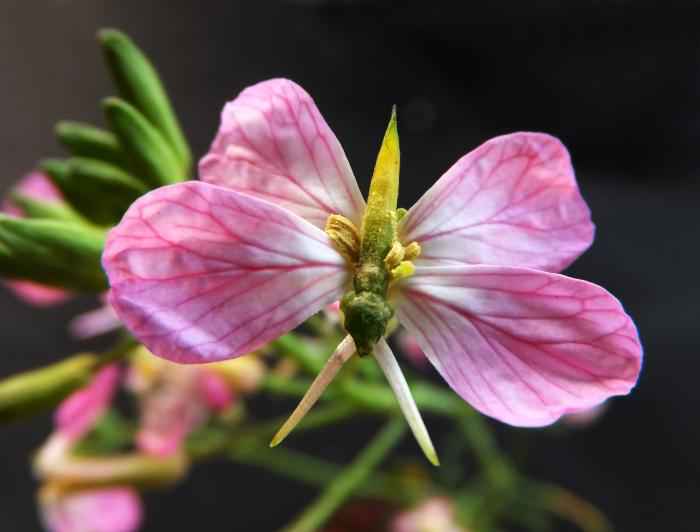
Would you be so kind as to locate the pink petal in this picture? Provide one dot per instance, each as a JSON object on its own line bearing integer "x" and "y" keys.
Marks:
{"x": 411, "y": 349}
{"x": 201, "y": 273}
{"x": 171, "y": 410}
{"x": 98, "y": 510}
{"x": 520, "y": 345}
{"x": 37, "y": 294}
{"x": 215, "y": 390}
{"x": 38, "y": 186}
{"x": 513, "y": 202}
{"x": 35, "y": 185}
{"x": 94, "y": 322}
{"x": 79, "y": 411}
{"x": 273, "y": 143}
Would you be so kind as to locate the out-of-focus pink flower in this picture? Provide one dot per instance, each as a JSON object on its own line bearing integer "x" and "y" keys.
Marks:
{"x": 409, "y": 347}
{"x": 80, "y": 410}
{"x": 432, "y": 515}
{"x": 113, "y": 509}
{"x": 95, "y": 322}
{"x": 586, "y": 417}
{"x": 205, "y": 271}
{"x": 37, "y": 186}
{"x": 175, "y": 400}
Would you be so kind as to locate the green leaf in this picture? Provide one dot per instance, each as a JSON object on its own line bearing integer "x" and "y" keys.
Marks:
{"x": 151, "y": 154}
{"x": 112, "y": 433}
{"x": 84, "y": 140}
{"x": 52, "y": 252}
{"x": 139, "y": 84}
{"x": 32, "y": 391}
{"x": 99, "y": 191}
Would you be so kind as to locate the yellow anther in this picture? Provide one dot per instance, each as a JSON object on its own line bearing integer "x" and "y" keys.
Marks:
{"x": 403, "y": 270}
{"x": 395, "y": 255}
{"x": 412, "y": 251}
{"x": 345, "y": 237}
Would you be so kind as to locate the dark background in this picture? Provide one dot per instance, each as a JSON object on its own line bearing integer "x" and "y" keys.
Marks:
{"x": 618, "y": 82}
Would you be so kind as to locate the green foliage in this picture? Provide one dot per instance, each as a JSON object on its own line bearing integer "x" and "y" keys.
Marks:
{"x": 149, "y": 152}
{"x": 139, "y": 84}
{"x": 100, "y": 191}
{"x": 84, "y": 140}
{"x": 53, "y": 252}
{"x": 32, "y": 391}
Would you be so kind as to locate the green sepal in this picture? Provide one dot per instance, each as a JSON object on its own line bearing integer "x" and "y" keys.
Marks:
{"x": 52, "y": 252}
{"x": 112, "y": 433}
{"x": 32, "y": 391}
{"x": 139, "y": 84}
{"x": 84, "y": 140}
{"x": 52, "y": 210}
{"x": 152, "y": 157}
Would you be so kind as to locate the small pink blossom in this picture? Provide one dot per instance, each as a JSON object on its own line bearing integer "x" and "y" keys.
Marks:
{"x": 211, "y": 270}
{"x": 409, "y": 346}
{"x": 174, "y": 401}
{"x": 432, "y": 515}
{"x": 80, "y": 410}
{"x": 37, "y": 186}
{"x": 113, "y": 509}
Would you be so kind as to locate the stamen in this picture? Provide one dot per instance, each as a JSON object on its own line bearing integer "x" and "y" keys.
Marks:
{"x": 386, "y": 360}
{"x": 342, "y": 354}
{"x": 403, "y": 270}
{"x": 345, "y": 237}
{"x": 395, "y": 255}
{"x": 412, "y": 251}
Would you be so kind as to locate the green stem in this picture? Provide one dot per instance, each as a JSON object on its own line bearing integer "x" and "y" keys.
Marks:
{"x": 570, "y": 507}
{"x": 299, "y": 350}
{"x": 350, "y": 478}
{"x": 32, "y": 391}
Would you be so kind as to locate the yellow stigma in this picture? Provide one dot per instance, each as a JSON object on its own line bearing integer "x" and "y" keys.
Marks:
{"x": 384, "y": 187}
{"x": 379, "y": 222}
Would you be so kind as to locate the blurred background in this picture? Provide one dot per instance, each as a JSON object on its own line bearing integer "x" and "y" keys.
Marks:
{"x": 617, "y": 81}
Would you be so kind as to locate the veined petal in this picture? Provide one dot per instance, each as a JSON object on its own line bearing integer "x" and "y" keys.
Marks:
{"x": 521, "y": 345}
{"x": 273, "y": 143}
{"x": 512, "y": 202}
{"x": 201, "y": 273}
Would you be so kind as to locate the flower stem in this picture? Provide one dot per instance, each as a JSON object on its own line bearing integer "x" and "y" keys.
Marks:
{"x": 291, "y": 345}
{"x": 350, "y": 478}
{"x": 32, "y": 391}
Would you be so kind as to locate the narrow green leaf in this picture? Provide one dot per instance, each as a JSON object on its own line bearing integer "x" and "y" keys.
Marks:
{"x": 84, "y": 140}
{"x": 97, "y": 190}
{"x": 139, "y": 84}
{"x": 54, "y": 210}
{"x": 151, "y": 154}
{"x": 100, "y": 191}
{"x": 52, "y": 252}
{"x": 32, "y": 391}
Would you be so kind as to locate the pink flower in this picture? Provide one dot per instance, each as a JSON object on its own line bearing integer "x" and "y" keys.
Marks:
{"x": 113, "y": 509}
{"x": 37, "y": 186}
{"x": 409, "y": 346}
{"x": 432, "y": 515}
{"x": 175, "y": 400}
{"x": 79, "y": 411}
{"x": 205, "y": 271}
